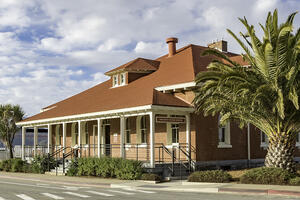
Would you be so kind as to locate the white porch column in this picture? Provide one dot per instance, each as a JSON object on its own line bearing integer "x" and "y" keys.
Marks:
{"x": 152, "y": 140}
{"x": 64, "y": 135}
{"x": 49, "y": 138}
{"x": 99, "y": 130}
{"x": 79, "y": 138}
{"x": 122, "y": 137}
{"x": 23, "y": 142}
{"x": 188, "y": 131}
{"x": 35, "y": 139}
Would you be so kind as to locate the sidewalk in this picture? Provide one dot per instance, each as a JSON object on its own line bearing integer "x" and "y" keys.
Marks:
{"x": 185, "y": 186}
{"x": 179, "y": 186}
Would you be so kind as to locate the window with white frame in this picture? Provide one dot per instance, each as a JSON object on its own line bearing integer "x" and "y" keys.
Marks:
{"x": 224, "y": 135}
{"x": 175, "y": 133}
{"x": 298, "y": 139}
{"x": 127, "y": 131}
{"x": 143, "y": 129}
{"x": 122, "y": 79}
{"x": 263, "y": 139}
{"x": 115, "y": 80}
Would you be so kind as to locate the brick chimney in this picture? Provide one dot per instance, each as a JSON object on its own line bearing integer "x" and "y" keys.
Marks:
{"x": 172, "y": 45}
{"x": 220, "y": 45}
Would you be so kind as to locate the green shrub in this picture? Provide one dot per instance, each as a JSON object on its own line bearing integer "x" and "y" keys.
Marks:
{"x": 106, "y": 167}
{"x": 17, "y": 165}
{"x": 6, "y": 164}
{"x": 103, "y": 167}
{"x": 39, "y": 164}
{"x": 266, "y": 175}
{"x": 73, "y": 168}
{"x": 12, "y": 165}
{"x": 150, "y": 177}
{"x": 1, "y": 166}
{"x": 295, "y": 181}
{"x": 214, "y": 176}
{"x": 128, "y": 169}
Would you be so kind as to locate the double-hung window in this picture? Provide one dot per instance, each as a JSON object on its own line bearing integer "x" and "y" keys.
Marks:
{"x": 175, "y": 133}
{"x": 115, "y": 80}
{"x": 143, "y": 129}
{"x": 122, "y": 79}
{"x": 224, "y": 135}
{"x": 263, "y": 140}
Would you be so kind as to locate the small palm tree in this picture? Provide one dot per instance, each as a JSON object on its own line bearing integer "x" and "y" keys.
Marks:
{"x": 9, "y": 116}
{"x": 265, "y": 93}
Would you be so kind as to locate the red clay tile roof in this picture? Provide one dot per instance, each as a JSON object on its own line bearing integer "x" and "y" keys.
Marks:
{"x": 139, "y": 64}
{"x": 180, "y": 68}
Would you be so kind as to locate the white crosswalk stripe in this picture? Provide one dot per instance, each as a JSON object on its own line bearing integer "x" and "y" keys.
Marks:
{"x": 77, "y": 195}
{"x": 52, "y": 196}
{"x": 138, "y": 190}
{"x": 24, "y": 196}
{"x": 101, "y": 193}
{"x": 121, "y": 192}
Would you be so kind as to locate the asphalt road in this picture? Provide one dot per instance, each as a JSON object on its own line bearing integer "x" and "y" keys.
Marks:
{"x": 31, "y": 190}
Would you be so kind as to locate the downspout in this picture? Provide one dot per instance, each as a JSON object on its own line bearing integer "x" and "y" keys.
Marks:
{"x": 248, "y": 141}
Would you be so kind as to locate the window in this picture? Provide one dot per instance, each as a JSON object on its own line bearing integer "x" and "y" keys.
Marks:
{"x": 87, "y": 139}
{"x": 115, "y": 80}
{"x": 263, "y": 139}
{"x": 175, "y": 133}
{"x": 298, "y": 140}
{"x": 143, "y": 129}
{"x": 127, "y": 131}
{"x": 224, "y": 135}
{"x": 58, "y": 135}
{"x": 122, "y": 79}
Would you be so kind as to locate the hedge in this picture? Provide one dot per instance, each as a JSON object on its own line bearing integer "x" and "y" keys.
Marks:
{"x": 150, "y": 177}
{"x": 106, "y": 167}
{"x": 267, "y": 175}
{"x": 214, "y": 176}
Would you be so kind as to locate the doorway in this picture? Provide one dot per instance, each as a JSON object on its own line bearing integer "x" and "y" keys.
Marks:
{"x": 107, "y": 140}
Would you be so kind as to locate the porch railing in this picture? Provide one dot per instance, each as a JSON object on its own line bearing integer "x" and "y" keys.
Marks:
{"x": 163, "y": 154}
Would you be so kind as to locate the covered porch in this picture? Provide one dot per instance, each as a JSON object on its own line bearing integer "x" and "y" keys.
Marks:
{"x": 152, "y": 134}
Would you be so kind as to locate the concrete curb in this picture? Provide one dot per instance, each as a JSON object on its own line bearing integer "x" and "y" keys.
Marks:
{"x": 261, "y": 192}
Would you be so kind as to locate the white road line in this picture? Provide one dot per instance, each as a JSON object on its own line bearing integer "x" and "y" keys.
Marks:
{"x": 121, "y": 192}
{"x": 24, "y": 196}
{"x": 101, "y": 193}
{"x": 2, "y": 198}
{"x": 137, "y": 190}
{"x": 77, "y": 195}
{"x": 52, "y": 196}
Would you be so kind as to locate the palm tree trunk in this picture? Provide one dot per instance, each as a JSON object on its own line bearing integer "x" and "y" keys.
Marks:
{"x": 281, "y": 152}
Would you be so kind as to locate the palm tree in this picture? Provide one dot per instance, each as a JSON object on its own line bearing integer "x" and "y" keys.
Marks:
{"x": 9, "y": 116}
{"x": 265, "y": 93}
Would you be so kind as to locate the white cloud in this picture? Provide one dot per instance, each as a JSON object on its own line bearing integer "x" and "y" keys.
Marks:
{"x": 50, "y": 50}
{"x": 154, "y": 48}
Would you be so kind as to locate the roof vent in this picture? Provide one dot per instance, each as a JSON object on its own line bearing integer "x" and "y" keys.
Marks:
{"x": 172, "y": 45}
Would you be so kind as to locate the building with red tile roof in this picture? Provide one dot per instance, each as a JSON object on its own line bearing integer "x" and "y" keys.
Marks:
{"x": 145, "y": 112}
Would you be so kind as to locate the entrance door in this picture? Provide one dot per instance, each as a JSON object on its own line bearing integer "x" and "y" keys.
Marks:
{"x": 107, "y": 140}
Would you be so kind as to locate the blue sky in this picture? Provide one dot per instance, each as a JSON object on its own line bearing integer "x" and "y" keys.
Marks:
{"x": 50, "y": 50}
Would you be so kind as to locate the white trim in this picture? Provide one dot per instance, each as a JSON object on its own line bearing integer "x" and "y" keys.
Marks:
{"x": 224, "y": 145}
{"x": 176, "y": 86}
{"x": 105, "y": 114}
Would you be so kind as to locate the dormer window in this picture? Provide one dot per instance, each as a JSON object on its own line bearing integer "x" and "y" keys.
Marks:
{"x": 122, "y": 79}
{"x": 115, "y": 80}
